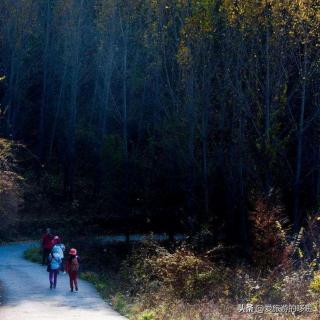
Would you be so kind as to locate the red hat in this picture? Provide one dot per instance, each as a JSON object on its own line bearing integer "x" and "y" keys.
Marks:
{"x": 73, "y": 251}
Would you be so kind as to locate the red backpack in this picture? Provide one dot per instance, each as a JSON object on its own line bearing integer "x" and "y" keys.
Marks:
{"x": 74, "y": 266}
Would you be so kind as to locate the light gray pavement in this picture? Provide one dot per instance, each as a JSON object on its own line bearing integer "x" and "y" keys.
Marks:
{"x": 28, "y": 297}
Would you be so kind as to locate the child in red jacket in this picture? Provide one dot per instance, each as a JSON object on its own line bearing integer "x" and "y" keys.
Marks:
{"x": 72, "y": 267}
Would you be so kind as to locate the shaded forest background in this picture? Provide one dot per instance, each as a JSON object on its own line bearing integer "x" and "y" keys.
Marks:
{"x": 163, "y": 115}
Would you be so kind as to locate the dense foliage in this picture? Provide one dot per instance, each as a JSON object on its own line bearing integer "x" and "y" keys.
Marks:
{"x": 159, "y": 281}
{"x": 181, "y": 109}
{"x": 10, "y": 187}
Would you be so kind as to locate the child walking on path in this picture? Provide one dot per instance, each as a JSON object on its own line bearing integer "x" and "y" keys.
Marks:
{"x": 72, "y": 267}
{"x": 53, "y": 267}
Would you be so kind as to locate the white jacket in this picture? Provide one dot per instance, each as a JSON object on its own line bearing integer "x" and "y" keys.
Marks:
{"x": 59, "y": 249}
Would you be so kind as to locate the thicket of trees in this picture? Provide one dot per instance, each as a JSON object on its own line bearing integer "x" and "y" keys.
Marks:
{"x": 177, "y": 108}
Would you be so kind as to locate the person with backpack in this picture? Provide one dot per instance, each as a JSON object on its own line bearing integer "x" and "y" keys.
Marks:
{"x": 60, "y": 248}
{"x": 54, "y": 263}
{"x": 46, "y": 245}
{"x": 72, "y": 267}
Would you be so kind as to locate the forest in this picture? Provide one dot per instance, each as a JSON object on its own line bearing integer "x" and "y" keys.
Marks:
{"x": 199, "y": 117}
{"x": 186, "y": 110}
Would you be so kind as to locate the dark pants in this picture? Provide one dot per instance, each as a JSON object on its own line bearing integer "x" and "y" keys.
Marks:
{"x": 73, "y": 275}
{"x": 53, "y": 275}
{"x": 45, "y": 255}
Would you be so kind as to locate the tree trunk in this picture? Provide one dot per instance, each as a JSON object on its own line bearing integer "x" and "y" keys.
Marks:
{"x": 297, "y": 179}
{"x": 44, "y": 99}
{"x": 191, "y": 157}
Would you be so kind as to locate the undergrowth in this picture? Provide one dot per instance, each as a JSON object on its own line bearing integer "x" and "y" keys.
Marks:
{"x": 154, "y": 281}
{"x": 33, "y": 254}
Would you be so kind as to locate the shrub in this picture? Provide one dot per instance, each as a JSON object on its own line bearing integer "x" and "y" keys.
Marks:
{"x": 137, "y": 270}
{"x": 33, "y": 254}
{"x": 270, "y": 244}
{"x": 147, "y": 315}
{"x": 287, "y": 286}
{"x": 120, "y": 304}
{"x": 315, "y": 284}
{"x": 105, "y": 287}
{"x": 181, "y": 274}
{"x": 100, "y": 281}
{"x": 184, "y": 274}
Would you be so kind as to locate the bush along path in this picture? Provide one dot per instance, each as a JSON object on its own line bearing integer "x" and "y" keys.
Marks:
{"x": 27, "y": 293}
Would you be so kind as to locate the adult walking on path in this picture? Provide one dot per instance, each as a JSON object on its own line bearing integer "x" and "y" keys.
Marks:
{"x": 46, "y": 245}
{"x": 60, "y": 247}
{"x": 27, "y": 296}
{"x": 54, "y": 266}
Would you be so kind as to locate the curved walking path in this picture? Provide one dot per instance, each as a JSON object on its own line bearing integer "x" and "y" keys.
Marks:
{"x": 28, "y": 297}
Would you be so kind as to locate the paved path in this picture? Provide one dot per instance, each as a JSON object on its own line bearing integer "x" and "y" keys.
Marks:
{"x": 28, "y": 297}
